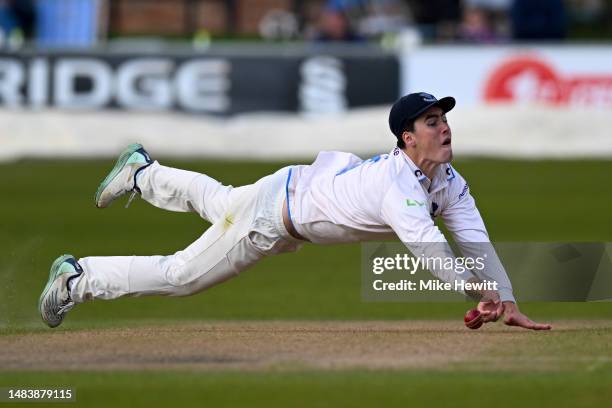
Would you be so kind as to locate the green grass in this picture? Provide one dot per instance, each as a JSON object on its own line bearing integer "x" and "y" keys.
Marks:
{"x": 47, "y": 209}
{"x": 328, "y": 389}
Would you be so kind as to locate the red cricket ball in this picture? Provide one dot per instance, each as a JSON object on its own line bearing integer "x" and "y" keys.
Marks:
{"x": 472, "y": 319}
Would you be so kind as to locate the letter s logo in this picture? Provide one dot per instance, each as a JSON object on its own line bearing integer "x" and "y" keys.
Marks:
{"x": 323, "y": 86}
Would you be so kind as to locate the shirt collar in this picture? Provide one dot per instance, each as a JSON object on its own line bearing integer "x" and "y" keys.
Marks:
{"x": 443, "y": 174}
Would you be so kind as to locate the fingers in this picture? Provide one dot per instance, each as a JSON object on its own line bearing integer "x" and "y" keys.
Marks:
{"x": 491, "y": 310}
{"x": 490, "y": 316}
{"x": 536, "y": 326}
{"x": 523, "y": 321}
{"x": 540, "y": 326}
{"x": 499, "y": 311}
{"x": 487, "y": 317}
{"x": 484, "y": 312}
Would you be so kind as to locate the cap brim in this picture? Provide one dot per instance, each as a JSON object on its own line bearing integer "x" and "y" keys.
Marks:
{"x": 446, "y": 104}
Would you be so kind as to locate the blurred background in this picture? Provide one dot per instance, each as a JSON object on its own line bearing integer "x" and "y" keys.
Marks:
{"x": 87, "y": 23}
{"x": 284, "y": 79}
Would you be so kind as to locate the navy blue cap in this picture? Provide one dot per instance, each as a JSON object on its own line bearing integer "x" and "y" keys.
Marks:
{"x": 410, "y": 106}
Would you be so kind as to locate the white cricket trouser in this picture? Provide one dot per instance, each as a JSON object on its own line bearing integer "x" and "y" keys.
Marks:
{"x": 247, "y": 224}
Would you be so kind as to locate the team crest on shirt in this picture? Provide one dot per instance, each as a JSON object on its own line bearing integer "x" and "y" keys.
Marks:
{"x": 450, "y": 174}
{"x": 419, "y": 175}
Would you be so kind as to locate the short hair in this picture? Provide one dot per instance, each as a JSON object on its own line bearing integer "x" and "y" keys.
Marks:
{"x": 409, "y": 127}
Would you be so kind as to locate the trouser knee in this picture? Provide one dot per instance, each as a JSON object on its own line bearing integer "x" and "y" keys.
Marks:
{"x": 194, "y": 276}
{"x": 189, "y": 279}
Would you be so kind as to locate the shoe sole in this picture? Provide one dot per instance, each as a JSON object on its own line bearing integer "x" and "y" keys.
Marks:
{"x": 53, "y": 274}
{"x": 121, "y": 161}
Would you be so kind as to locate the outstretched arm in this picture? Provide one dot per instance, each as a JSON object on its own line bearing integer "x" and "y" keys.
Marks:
{"x": 465, "y": 223}
{"x": 405, "y": 209}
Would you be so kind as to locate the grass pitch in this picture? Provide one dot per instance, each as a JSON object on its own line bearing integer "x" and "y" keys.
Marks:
{"x": 327, "y": 364}
{"x": 48, "y": 210}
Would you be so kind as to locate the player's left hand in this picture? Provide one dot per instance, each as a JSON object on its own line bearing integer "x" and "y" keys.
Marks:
{"x": 513, "y": 317}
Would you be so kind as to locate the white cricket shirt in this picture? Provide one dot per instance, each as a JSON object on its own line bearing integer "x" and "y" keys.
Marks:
{"x": 341, "y": 198}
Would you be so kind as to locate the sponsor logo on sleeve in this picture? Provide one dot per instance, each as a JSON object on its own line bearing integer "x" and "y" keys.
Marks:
{"x": 414, "y": 203}
{"x": 464, "y": 191}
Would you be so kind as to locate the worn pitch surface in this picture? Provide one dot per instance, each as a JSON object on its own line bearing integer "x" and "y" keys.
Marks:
{"x": 291, "y": 345}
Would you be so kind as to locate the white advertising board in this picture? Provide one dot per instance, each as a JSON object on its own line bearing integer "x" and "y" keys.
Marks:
{"x": 564, "y": 76}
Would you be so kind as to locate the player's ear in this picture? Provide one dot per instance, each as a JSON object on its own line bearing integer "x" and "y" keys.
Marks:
{"x": 408, "y": 138}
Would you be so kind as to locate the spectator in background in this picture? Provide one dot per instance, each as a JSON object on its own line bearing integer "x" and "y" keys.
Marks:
{"x": 476, "y": 26}
{"x": 437, "y": 20}
{"x": 585, "y": 11}
{"x": 25, "y": 16}
{"x": 335, "y": 26}
{"x": 7, "y": 19}
{"x": 17, "y": 20}
{"x": 589, "y": 19}
{"x": 497, "y": 15}
{"x": 357, "y": 20}
{"x": 538, "y": 20}
{"x": 384, "y": 17}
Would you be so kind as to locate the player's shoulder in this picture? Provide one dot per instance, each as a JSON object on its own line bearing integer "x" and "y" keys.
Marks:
{"x": 326, "y": 157}
{"x": 403, "y": 179}
{"x": 457, "y": 186}
{"x": 398, "y": 166}
{"x": 380, "y": 172}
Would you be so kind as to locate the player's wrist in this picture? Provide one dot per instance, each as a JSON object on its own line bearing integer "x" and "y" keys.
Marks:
{"x": 509, "y": 307}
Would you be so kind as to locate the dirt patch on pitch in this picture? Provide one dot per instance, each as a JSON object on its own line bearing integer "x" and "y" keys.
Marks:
{"x": 300, "y": 345}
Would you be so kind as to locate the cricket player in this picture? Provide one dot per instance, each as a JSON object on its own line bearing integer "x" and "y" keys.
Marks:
{"x": 337, "y": 199}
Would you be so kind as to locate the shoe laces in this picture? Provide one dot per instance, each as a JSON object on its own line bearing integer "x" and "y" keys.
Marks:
{"x": 135, "y": 189}
{"x": 132, "y": 196}
{"x": 65, "y": 307}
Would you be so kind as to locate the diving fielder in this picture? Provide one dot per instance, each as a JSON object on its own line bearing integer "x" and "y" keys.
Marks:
{"x": 339, "y": 198}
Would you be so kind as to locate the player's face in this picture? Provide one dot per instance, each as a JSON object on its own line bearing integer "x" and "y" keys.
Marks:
{"x": 432, "y": 136}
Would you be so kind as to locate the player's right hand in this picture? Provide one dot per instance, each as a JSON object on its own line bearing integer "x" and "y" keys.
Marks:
{"x": 490, "y": 306}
